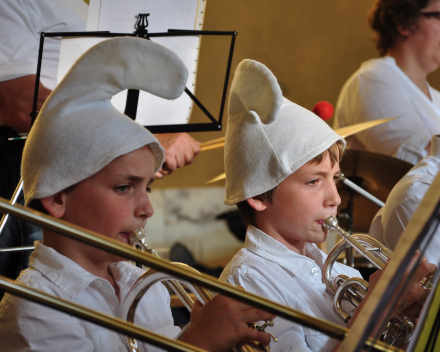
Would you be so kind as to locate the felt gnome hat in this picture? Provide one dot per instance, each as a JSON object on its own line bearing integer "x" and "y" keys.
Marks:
{"x": 268, "y": 137}
{"x": 78, "y": 131}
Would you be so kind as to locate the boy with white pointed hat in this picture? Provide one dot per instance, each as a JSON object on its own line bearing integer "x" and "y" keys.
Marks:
{"x": 282, "y": 165}
{"x": 88, "y": 164}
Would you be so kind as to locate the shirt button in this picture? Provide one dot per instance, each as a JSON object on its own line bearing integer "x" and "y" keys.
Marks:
{"x": 314, "y": 271}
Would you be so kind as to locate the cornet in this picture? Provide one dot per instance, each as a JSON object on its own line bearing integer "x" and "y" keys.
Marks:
{"x": 149, "y": 278}
{"x": 398, "y": 329}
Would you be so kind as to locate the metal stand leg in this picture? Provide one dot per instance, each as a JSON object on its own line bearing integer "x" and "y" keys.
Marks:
{"x": 360, "y": 190}
{"x": 12, "y": 202}
{"x": 346, "y": 215}
{"x": 5, "y": 217}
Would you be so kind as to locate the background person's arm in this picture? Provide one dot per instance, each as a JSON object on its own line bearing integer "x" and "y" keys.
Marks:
{"x": 16, "y": 98}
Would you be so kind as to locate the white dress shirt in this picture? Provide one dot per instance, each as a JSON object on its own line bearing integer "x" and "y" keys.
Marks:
{"x": 268, "y": 268}
{"x": 380, "y": 89}
{"x": 391, "y": 220}
{"x": 28, "y": 326}
{"x": 22, "y": 21}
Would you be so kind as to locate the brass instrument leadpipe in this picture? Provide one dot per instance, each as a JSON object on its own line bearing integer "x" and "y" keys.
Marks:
{"x": 105, "y": 320}
{"x": 332, "y": 223}
{"x": 137, "y": 237}
{"x": 126, "y": 251}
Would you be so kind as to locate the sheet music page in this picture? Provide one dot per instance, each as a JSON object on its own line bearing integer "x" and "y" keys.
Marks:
{"x": 120, "y": 17}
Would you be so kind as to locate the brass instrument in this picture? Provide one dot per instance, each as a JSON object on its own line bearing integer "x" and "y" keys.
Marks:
{"x": 138, "y": 238}
{"x": 354, "y": 290}
{"x": 126, "y": 251}
{"x": 149, "y": 278}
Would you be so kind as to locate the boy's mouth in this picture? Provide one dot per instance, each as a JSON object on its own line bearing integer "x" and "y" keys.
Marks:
{"x": 126, "y": 235}
{"x": 320, "y": 222}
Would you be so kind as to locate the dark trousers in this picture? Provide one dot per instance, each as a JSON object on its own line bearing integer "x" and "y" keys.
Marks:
{"x": 16, "y": 233}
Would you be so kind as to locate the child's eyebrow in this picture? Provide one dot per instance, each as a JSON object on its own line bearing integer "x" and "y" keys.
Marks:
{"x": 323, "y": 173}
{"x": 134, "y": 178}
{"x": 131, "y": 178}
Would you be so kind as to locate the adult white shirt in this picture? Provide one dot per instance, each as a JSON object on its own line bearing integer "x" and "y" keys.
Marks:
{"x": 25, "y": 325}
{"x": 268, "y": 268}
{"x": 380, "y": 89}
{"x": 391, "y": 220}
{"x": 22, "y": 21}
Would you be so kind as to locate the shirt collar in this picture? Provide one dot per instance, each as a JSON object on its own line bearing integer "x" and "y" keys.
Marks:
{"x": 391, "y": 61}
{"x": 435, "y": 146}
{"x": 69, "y": 276}
{"x": 267, "y": 247}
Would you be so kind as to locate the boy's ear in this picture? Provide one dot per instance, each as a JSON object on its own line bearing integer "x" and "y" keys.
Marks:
{"x": 55, "y": 205}
{"x": 403, "y": 31}
{"x": 257, "y": 203}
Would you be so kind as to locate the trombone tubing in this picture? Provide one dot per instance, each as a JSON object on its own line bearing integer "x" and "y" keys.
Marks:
{"x": 126, "y": 251}
{"x": 105, "y": 320}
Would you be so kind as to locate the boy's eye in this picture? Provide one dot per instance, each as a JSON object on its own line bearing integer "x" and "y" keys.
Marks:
{"x": 337, "y": 178}
{"x": 122, "y": 189}
{"x": 148, "y": 189}
{"x": 312, "y": 182}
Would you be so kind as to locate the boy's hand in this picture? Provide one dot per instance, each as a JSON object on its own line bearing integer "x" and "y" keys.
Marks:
{"x": 222, "y": 323}
{"x": 415, "y": 296}
{"x": 180, "y": 150}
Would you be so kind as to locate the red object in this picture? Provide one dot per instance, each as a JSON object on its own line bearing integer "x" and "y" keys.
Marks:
{"x": 323, "y": 109}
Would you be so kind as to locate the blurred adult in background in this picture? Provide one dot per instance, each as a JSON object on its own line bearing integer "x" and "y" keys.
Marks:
{"x": 22, "y": 22}
{"x": 390, "y": 221}
{"x": 407, "y": 36}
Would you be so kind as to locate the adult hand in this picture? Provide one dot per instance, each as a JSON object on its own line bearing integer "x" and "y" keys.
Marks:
{"x": 180, "y": 150}
{"x": 223, "y": 323}
{"x": 16, "y": 98}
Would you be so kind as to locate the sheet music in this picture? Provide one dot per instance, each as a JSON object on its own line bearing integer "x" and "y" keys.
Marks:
{"x": 119, "y": 17}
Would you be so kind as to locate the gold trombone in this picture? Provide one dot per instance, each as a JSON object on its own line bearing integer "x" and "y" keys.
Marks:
{"x": 126, "y": 251}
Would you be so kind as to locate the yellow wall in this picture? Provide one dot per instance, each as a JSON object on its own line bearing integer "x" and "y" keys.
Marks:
{"x": 312, "y": 47}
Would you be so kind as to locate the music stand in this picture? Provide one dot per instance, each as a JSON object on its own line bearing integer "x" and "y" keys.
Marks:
{"x": 214, "y": 125}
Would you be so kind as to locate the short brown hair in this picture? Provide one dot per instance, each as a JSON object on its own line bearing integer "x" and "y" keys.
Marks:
{"x": 387, "y": 16}
{"x": 247, "y": 213}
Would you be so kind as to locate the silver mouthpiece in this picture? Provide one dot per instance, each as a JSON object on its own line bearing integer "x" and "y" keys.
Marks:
{"x": 138, "y": 238}
{"x": 137, "y": 235}
{"x": 331, "y": 222}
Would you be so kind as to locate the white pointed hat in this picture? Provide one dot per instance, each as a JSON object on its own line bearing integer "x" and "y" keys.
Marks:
{"x": 268, "y": 137}
{"x": 78, "y": 131}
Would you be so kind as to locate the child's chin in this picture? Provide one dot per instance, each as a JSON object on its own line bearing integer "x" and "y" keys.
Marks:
{"x": 321, "y": 238}
{"x": 116, "y": 259}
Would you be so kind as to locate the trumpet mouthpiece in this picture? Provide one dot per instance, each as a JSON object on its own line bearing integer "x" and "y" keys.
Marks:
{"x": 137, "y": 235}
{"x": 331, "y": 222}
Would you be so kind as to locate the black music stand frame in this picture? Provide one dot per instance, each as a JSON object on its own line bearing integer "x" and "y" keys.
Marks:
{"x": 214, "y": 125}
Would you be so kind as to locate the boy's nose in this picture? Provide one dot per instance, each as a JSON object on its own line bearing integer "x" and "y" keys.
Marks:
{"x": 144, "y": 208}
{"x": 333, "y": 196}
